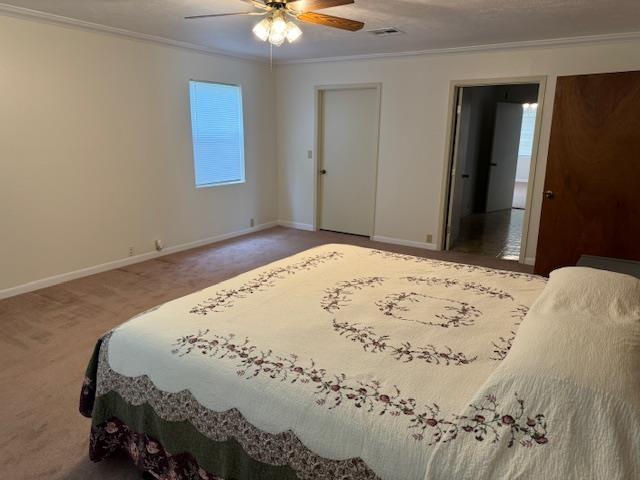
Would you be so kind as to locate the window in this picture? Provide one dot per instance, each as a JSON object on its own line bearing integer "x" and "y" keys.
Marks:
{"x": 528, "y": 129}
{"x": 218, "y": 133}
{"x": 527, "y": 133}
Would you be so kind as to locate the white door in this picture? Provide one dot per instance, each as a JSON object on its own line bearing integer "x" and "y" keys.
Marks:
{"x": 348, "y": 157}
{"x": 504, "y": 156}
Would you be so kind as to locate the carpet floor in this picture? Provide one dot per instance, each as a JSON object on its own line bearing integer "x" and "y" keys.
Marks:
{"x": 47, "y": 336}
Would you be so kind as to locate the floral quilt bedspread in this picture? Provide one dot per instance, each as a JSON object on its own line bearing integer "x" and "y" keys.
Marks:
{"x": 339, "y": 360}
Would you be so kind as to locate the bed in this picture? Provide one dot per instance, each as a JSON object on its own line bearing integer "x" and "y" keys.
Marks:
{"x": 349, "y": 363}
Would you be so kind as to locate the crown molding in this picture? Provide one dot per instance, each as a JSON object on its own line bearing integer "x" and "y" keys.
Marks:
{"x": 552, "y": 42}
{"x": 21, "y": 12}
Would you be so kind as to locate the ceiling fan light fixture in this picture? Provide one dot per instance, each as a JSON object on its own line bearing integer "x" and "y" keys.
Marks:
{"x": 278, "y": 24}
{"x": 276, "y": 29}
{"x": 293, "y": 32}
{"x": 262, "y": 29}
{"x": 276, "y": 38}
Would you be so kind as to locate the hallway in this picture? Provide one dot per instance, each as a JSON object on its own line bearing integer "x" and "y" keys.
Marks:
{"x": 495, "y": 234}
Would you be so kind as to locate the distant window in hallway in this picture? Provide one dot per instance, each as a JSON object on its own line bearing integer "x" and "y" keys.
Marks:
{"x": 525, "y": 150}
{"x": 528, "y": 127}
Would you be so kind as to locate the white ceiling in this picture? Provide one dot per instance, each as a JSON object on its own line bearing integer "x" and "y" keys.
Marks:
{"x": 428, "y": 24}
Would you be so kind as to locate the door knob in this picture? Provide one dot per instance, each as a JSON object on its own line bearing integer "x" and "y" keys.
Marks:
{"x": 548, "y": 194}
{"x": 323, "y": 172}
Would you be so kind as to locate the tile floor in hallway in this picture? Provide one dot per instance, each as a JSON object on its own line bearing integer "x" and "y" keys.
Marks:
{"x": 494, "y": 234}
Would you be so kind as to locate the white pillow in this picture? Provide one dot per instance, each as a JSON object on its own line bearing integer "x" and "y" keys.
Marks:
{"x": 585, "y": 329}
{"x": 608, "y": 295}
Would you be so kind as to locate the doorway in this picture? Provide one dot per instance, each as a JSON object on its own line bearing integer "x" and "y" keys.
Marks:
{"x": 494, "y": 136}
{"x": 347, "y": 147}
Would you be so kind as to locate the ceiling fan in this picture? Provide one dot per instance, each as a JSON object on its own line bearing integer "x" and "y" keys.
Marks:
{"x": 276, "y": 27}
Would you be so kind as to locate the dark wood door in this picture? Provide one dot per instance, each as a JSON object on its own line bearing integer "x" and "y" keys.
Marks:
{"x": 592, "y": 185}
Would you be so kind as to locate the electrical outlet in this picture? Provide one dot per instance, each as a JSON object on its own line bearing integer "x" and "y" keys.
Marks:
{"x": 252, "y": 222}
{"x": 132, "y": 251}
{"x": 429, "y": 238}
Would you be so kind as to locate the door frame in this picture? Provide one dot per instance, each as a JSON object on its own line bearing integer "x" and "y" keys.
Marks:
{"x": 317, "y": 147}
{"x": 455, "y": 150}
{"x": 454, "y": 89}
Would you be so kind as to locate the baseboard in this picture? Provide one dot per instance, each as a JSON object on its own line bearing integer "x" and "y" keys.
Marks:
{"x": 406, "y": 243}
{"x": 217, "y": 238}
{"x": 296, "y": 225}
{"x": 123, "y": 262}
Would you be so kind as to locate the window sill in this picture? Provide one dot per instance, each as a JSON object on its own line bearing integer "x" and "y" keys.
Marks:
{"x": 222, "y": 184}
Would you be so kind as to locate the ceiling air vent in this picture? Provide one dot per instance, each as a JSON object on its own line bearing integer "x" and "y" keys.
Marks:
{"x": 385, "y": 32}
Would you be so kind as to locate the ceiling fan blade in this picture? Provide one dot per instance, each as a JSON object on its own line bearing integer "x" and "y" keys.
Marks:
{"x": 329, "y": 21}
{"x": 195, "y": 17}
{"x": 257, "y": 4}
{"x": 309, "y": 5}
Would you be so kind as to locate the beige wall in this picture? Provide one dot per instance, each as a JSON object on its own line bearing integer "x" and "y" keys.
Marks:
{"x": 95, "y": 145}
{"x": 95, "y": 149}
{"x": 414, "y": 116}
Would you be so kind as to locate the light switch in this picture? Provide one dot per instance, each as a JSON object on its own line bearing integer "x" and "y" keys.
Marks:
{"x": 309, "y": 154}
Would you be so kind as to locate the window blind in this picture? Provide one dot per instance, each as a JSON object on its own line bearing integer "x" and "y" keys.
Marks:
{"x": 218, "y": 133}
